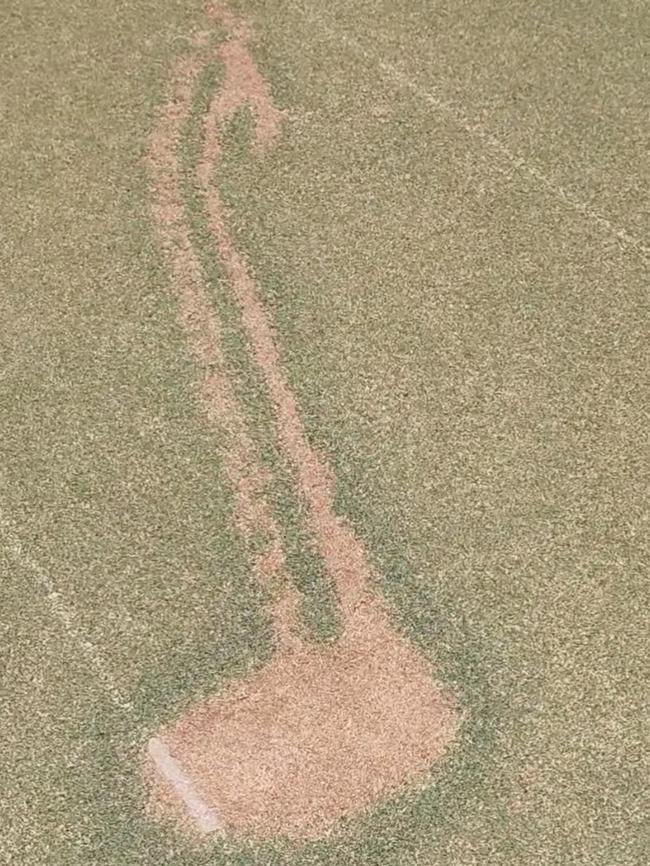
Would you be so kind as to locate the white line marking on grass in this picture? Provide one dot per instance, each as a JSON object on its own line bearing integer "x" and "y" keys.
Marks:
{"x": 474, "y": 127}
{"x": 488, "y": 138}
{"x": 65, "y": 612}
{"x": 205, "y": 817}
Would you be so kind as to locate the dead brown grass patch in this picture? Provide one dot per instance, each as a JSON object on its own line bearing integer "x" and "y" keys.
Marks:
{"x": 317, "y": 733}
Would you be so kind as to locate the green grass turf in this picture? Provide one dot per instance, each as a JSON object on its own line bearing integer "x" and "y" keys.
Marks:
{"x": 469, "y": 351}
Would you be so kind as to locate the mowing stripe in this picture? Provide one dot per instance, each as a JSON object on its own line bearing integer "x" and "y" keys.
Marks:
{"x": 64, "y": 610}
{"x": 475, "y": 128}
{"x": 206, "y": 818}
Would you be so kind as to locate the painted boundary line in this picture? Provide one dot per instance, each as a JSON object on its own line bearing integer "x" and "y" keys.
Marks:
{"x": 473, "y": 127}
{"x": 206, "y": 818}
{"x": 65, "y": 611}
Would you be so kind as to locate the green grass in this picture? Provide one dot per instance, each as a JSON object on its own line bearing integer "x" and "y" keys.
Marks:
{"x": 468, "y": 351}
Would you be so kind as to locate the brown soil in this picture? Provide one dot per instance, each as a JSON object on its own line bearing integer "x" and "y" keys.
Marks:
{"x": 317, "y": 733}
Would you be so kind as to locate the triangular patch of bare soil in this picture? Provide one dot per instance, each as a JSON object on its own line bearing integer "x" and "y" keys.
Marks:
{"x": 318, "y": 733}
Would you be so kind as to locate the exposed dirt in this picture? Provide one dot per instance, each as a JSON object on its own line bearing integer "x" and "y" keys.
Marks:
{"x": 317, "y": 733}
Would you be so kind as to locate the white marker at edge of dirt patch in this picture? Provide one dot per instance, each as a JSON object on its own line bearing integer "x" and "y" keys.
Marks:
{"x": 206, "y": 818}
